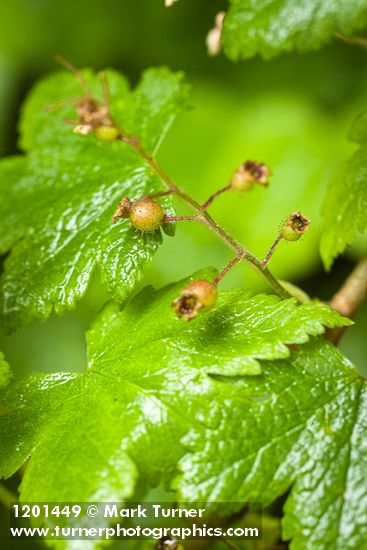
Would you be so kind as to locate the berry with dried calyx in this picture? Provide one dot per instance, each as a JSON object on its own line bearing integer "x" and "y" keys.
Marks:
{"x": 106, "y": 133}
{"x": 146, "y": 215}
{"x": 294, "y": 227}
{"x": 123, "y": 209}
{"x": 197, "y": 296}
{"x": 249, "y": 174}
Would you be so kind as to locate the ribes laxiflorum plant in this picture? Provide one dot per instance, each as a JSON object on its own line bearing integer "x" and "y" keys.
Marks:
{"x": 221, "y": 395}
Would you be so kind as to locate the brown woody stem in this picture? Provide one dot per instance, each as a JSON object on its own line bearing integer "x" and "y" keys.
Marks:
{"x": 221, "y": 233}
{"x": 349, "y": 297}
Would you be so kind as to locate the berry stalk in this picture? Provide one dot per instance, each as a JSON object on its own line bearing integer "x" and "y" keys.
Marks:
{"x": 227, "y": 268}
{"x": 209, "y": 201}
{"x": 219, "y": 231}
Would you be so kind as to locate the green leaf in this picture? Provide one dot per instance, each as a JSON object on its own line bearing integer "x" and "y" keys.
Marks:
{"x": 90, "y": 435}
{"x": 301, "y": 425}
{"x": 345, "y": 205}
{"x": 271, "y": 27}
{"x": 146, "y": 380}
{"x": 5, "y": 372}
{"x": 56, "y": 202}
{"x": 228, "y": 340}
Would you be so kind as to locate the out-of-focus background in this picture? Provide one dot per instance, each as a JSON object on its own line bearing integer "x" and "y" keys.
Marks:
{"x": 292, "y": 113}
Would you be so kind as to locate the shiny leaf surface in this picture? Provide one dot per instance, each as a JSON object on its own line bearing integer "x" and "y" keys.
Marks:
{"x": 271, "y": 27}
{"x": 146, "y": 380}
{"x": 301, "y": 425}
{"x": 56, "y": 202}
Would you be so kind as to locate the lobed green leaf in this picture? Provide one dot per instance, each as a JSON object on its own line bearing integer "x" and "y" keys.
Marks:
{"x": 146, "y": 381}
{"x": 303, "y": 425}
{"x": 272, "y": 27}
{"x": 56, "y": 203}
{"x": 89, "y": 436}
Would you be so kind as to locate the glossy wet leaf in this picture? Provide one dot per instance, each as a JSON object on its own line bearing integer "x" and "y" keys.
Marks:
{"x": 230, "y": 339}
{"x": 146, "y": 380}
{"x": 345, "y": 204}
{"x": 301, "y": 425}
{"x": 272, "y": 27}
{"x": 56, "y": 202}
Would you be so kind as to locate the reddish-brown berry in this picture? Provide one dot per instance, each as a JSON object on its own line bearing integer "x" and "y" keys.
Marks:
{"x": 146, "y": 215}
{"x": 249, "y": 174}
{"x": 294, "y": 227}
{"x": 197, "y": 296}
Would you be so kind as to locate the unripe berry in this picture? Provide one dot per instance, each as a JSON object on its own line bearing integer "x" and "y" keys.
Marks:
{"x": 106, "y": 133}
{"x": 294, "y": 227}
{"x": 146, "y": 215}
{"x": 198, "y": 295}
{"x": 249, "y": 174}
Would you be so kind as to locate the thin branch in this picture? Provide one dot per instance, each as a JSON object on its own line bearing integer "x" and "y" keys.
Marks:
{"x": 227, "y": 268}
{"x": 349, "y": 297}
{"x": 73, "y": 70}
{"x": 208, "y": 202}
{"x": 271, "y": 250}
{"x": 160, "y": 194}
{"x": 353, "y": 292}
{"x": 354, "y": 40}
{"x": 219, "y": 231}
{"x": 184, "y": 219}
{"x": 106, "y": 89}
